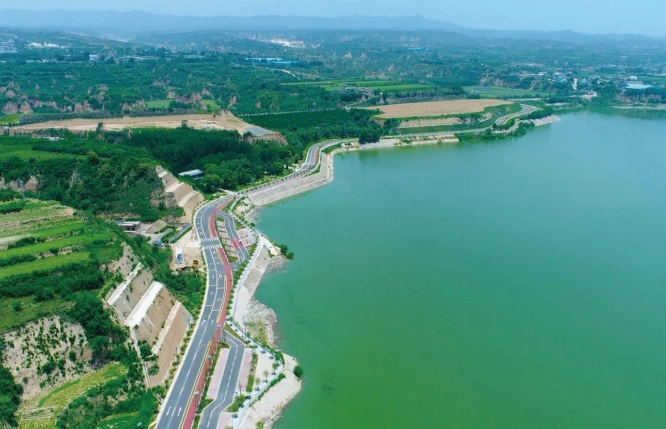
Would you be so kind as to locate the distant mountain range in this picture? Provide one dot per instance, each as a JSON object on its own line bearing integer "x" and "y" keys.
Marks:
{"x": 132, "y": 24}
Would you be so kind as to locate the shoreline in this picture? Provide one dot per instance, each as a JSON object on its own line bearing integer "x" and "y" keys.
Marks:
{"x": 262, "y": 320}
{"x": 268, "y": 409}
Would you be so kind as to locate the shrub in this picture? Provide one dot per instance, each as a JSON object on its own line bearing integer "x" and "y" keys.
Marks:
{"x": 298, "y": 371}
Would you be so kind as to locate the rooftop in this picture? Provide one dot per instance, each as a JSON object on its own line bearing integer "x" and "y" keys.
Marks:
{"x": 192, "y": 173}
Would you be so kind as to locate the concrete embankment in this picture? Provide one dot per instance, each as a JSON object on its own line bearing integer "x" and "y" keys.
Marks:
{"x": 545, "y": 121}
{"x": 260, "y": 322}
{"x": 179, "y": 193}
{"x": 324, "y": 173}
{"x": 296, "y": 186}
{"x": 151, "y": 312}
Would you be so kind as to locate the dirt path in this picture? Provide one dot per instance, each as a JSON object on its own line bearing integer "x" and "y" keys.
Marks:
{"x": 224, "y": 121}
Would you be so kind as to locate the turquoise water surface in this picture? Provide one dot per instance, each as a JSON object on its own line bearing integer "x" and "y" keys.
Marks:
{"x": 518, "y": 284}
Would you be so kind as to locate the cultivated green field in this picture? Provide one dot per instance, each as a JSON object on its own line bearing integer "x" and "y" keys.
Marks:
{"x": 158, "y": 104}
{"x": 17, "y": 147}
{"x": 211, "y": 104}
{"x": 41, "y": 229}
{"x": 30, "y": 310}
{"x": 43, "y": 264}
{"x": 10, "y": 119}
{"x": 60, "y": 244}
{"x": 497, "y": 92}
{"x": 383, "y": 85}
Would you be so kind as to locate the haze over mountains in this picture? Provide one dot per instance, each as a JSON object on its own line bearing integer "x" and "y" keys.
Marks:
{"x": 133, "y": 24}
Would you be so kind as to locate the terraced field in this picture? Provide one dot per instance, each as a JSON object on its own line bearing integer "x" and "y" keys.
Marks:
{"x": 44, "y": 264}
{"x": 58, "y": 244}
{"x": 45, "y": 237}
{"x": 42, "y": 412}
{"x": 53, "y": 271}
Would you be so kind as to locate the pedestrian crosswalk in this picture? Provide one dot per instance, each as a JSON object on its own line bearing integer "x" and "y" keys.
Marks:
{"x": 211, "y": 246}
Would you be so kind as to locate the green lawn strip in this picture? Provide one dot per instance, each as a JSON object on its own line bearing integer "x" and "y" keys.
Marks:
{"x": 43, "y": 264}
{"x": 29, "y": 311}
{"x": 55, "y": 244}
{"x": 330, "y": 149}
{"x": 253, "y": 369}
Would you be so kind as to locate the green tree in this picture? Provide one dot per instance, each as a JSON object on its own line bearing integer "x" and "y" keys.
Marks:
{"x": 10, "y": 397}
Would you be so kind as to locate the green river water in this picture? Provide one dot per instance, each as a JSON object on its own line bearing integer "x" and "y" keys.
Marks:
{"x": 518, "y": 284}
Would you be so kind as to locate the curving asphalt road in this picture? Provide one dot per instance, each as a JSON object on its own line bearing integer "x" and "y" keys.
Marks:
{"x": 225, "y": 396}
{"x": 177, "y": 412}
{"x": 230, "y": 226}
{"x": 178, "y": 409}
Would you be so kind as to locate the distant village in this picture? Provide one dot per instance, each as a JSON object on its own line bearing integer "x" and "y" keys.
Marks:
{"x": 8, "y": 47}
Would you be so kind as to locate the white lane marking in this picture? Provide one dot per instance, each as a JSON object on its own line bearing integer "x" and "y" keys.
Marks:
{"x": 168, "y": 411}
{"x": 179, "y": 410}
{"x": 226, "y": 391}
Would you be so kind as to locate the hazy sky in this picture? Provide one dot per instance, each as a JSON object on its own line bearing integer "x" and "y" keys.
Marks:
{"x": 590, "y": 16}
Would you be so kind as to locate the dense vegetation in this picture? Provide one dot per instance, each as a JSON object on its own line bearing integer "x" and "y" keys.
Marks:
{"x": 89, "y": 411}
{"x": 120, "y": 185}
{"x": 106, "y": 339}
{"x": 303, "y": 129}
{"x": 10, "y": 395}
{"x": 228, "y": 159}
{"x": 112, "y": 173}
{"x": 80, "y": 286}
